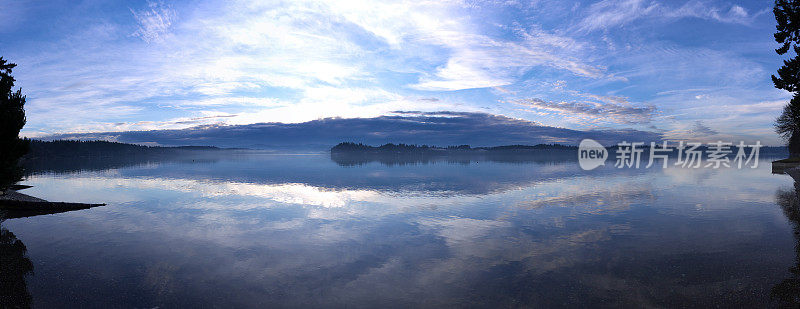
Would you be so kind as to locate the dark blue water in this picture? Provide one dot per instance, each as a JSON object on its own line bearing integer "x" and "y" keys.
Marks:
{"x": 258, "y": 230}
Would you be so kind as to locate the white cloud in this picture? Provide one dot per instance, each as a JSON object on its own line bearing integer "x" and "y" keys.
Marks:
{"x": 478, "y": 61}
{"x": 297, "y": 60}
{"x": 609, "y": 13}
{"x": 292, "y": 61}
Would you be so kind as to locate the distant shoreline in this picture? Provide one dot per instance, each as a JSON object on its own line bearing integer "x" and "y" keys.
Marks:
{"x": 348, "y": 147}
{"x": 352, "y": 154}
{"x": 74, "y": 148}
{"x": 359, "y": 148}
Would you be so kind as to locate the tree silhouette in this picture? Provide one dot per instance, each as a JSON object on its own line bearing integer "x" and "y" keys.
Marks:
{"x": 787, "y": 14}
{"x": 12, "y": 119}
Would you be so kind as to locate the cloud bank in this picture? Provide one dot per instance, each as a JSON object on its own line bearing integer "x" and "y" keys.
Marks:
{"x": 439, "y": 128}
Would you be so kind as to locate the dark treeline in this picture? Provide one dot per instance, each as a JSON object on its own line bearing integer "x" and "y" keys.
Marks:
{"x": 359, "y": 147}
{"x": 352, "y": 154}
{"x": 65, "y": 156}
{"x": 400, "y": 148}
{"x": 12, "y": 119}
{"x": 463, "y": 158}
{"x": 72, "y": 148}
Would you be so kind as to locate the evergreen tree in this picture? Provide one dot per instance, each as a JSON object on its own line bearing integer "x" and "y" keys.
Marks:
{"x": 787, "y": 14}
{"x": 12, "y": 119}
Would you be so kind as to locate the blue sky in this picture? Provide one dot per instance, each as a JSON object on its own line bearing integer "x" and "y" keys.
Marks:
{"x": 696, "y": 70}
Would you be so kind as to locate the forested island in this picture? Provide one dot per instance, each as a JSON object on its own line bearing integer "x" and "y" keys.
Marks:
{"x": 350, "y": 154}
{"x": 405, "y": 148}
{"x": 349, "y": 147}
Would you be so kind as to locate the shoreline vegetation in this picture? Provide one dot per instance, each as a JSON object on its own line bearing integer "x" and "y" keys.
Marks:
{"x": 352, "y": 154}
{"x": 405, "y": 148}
{"x": 72, "y": 148}
{"x": 65, "y": 156}
{"x": 349, "y": 147}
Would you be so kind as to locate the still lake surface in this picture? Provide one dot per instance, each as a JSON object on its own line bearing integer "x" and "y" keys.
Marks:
{"x": 256, "y": 229}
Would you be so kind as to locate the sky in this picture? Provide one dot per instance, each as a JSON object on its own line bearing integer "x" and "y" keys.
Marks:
{"x": 687, "y": 70}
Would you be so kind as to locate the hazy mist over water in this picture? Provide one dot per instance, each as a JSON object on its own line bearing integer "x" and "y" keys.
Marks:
{"x": 257, "y": 229}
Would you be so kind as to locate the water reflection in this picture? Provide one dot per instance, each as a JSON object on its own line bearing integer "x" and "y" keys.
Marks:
{"x": 14, "y": 267}
{"x": 435, "y": 177}
{"x": 73, "y": 164}
{"x": 788, "y": 291}
{"x": 306, "y": 231}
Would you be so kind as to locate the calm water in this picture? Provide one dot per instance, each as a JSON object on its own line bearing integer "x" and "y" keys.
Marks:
{"x": 302, "y": 230}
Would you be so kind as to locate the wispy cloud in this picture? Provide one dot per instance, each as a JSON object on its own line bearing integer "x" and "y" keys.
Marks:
{"x": 154, "y": 22}
{"x": 599, "y": 111}
{"x": 702, "y": 130}
{"x": 479, "y": 61}
{"x": 610, "y": 13}
{"x": 613, "y": 13}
